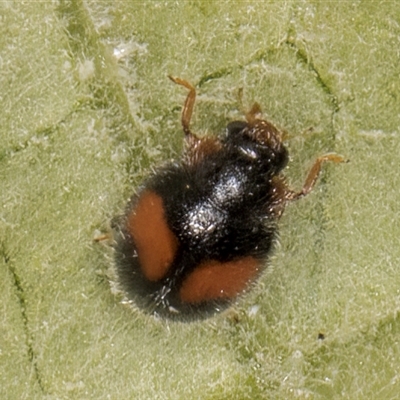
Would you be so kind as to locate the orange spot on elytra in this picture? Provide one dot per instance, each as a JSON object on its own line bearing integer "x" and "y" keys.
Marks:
{"x": 214, "y": 280}
{"x": 155, "y": 243}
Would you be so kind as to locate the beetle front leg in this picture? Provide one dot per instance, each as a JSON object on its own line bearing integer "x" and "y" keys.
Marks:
{"x": 187, "y": 110}
{"x": 313, "y": 176}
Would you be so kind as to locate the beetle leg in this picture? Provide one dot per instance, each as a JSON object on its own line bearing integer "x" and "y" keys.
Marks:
{"x": 313, "y": 176}
{"x": 187, "y": 110}
{"x": 251, "y": 115}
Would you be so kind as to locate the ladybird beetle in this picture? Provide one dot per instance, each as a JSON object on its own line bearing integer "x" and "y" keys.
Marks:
{"x": 199, "y": 230}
